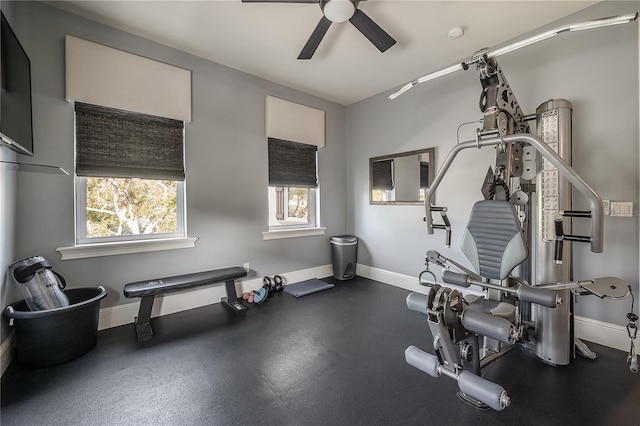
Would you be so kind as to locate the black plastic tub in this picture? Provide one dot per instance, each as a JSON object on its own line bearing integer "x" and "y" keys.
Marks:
{"x": 53, "y": 336}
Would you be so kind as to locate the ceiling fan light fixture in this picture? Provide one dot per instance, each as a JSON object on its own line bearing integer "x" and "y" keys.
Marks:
{"x": 455, "y": 33}
{"x": 339, "y": 10}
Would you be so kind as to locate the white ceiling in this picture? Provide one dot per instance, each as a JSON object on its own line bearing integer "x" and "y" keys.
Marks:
{"x": 264, "y": 39}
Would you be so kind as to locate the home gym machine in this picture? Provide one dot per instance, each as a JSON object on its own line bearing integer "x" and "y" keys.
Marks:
{"x": 516, "y": 239}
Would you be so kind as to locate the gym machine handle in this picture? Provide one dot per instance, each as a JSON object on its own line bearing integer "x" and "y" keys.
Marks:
{"x": 431, "y": 226}
{"x": 455, "y": 278}
{"x": 488, "y": 325}
{"x": 535, "y": 295}
{"x": 557, "y": 257}
{"x": 539, "y": 296}
{"x": 595, "y": 202}
{"x": 575, "y": 213}
{"x": 560, "y": 235}
{"x": 577, "y": 238}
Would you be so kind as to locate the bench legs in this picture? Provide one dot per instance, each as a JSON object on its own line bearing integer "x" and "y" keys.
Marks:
{"x": 231, "y": 301}
{"x": 143, "y": 320}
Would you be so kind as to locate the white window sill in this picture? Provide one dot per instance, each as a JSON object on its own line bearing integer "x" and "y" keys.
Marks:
{"x": 124, "y": 247}
{"x": 293, "y": 233}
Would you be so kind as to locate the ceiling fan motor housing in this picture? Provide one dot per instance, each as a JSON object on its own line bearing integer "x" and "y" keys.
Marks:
{"x": 338, "y": 10}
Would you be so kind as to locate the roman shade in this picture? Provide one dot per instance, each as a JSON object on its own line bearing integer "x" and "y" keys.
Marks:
{"x": 124, "y": 144}
{"x": 101, "y": 75}
{"x": 382, "y": 175}
{"x": 292, "y": 164}
{"x": 424, "y": 174}
{"x": 290, "y": 121}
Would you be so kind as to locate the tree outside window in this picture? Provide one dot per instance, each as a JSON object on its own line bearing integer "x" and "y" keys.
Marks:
{"x": 117, "y": 206}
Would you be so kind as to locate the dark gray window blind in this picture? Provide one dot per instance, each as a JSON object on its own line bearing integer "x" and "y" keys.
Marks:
{"x": 292, "y": 164}
{"x": 424, "y": 174}
{"x": 382, "y": 175}
{"x": 116, "y": 143}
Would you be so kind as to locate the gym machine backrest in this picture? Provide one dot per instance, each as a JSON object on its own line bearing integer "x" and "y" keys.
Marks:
{"x": 595, "y": 202}
{"x": 495, "y": 245}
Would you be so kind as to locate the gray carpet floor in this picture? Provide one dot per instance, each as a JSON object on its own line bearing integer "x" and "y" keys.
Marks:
{"x": 331, "y": 358}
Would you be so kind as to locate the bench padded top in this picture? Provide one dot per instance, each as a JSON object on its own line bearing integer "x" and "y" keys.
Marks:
{"x": 181, "y": 282}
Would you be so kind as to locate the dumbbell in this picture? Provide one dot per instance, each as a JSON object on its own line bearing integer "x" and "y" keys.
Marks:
{"x": 260, "y": 295}
{"x": 269, "y": 287}
{"x": 278, "y": 283}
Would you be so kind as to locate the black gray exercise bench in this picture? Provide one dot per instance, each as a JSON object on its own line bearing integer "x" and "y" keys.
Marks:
{"x": 147, "y": 290}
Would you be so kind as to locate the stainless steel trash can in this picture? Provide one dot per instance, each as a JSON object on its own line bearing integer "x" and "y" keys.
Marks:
{"x": 344, "y": 254}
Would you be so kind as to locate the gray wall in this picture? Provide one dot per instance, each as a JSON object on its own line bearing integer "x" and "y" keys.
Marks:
{"x": 227, "y": 169}
{"x": 596, "y": 70}
{"x": 8, "y": 185}
{"x": 8, "y": 293}
{"x": 226, "y": 163}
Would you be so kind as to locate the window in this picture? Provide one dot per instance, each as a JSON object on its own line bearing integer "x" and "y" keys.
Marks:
{"x": 293, "y": 185}
{"x": 118, "y": 209}
{"x": 382, "y": 180}
{"x": 292, "y": 207}
{"x": 129, "y": 176}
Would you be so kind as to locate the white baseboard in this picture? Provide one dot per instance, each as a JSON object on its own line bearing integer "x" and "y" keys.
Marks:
{"x": 115, "y": 316}
{"x": 406, "y": 282}
{"x": 611, "y": 335}
{"x": 602, "y": 333}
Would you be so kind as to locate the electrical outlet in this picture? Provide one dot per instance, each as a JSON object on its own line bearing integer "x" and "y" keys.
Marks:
{"x": 622, "y": 208}
{"x": 247, "y": 267}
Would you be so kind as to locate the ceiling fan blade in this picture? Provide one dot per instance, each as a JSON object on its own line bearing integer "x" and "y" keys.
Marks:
{"x": 372, "y": 31}
{"x": 314, "y": 40}
{"x": 280, "y": 1}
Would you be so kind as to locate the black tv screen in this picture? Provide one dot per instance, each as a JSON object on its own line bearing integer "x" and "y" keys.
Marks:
{"x": 15, "y": 95}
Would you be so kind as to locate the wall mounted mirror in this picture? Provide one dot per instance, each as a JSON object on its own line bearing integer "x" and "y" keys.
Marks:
{"x": 401, "y": 179}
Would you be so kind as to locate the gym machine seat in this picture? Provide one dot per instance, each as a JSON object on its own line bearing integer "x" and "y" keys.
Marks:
{"x": 483, "y": 328}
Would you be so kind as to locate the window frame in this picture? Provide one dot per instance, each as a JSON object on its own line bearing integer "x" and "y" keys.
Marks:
{"x": 147, "y": 122}
{"x": 282, "y": 200}
{"x": 292, "y": 229}
{"x": 81, "y": 218}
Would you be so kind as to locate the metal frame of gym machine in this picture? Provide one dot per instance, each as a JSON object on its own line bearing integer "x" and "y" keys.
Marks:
{"x": 534, "y": 173}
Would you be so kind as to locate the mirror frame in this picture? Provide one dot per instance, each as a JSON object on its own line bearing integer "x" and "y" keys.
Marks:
{"x": 430, "y": 151}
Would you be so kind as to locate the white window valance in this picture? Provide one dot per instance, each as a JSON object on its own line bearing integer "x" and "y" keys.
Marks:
{"x": 101, "y": 75}
{"x": 293, "y": 122}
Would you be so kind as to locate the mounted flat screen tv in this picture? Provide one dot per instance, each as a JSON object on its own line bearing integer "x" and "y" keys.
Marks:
{"x": 16, "y": 130}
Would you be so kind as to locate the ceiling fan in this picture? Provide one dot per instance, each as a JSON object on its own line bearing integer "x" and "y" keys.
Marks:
{"x": 339, "y": 11}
